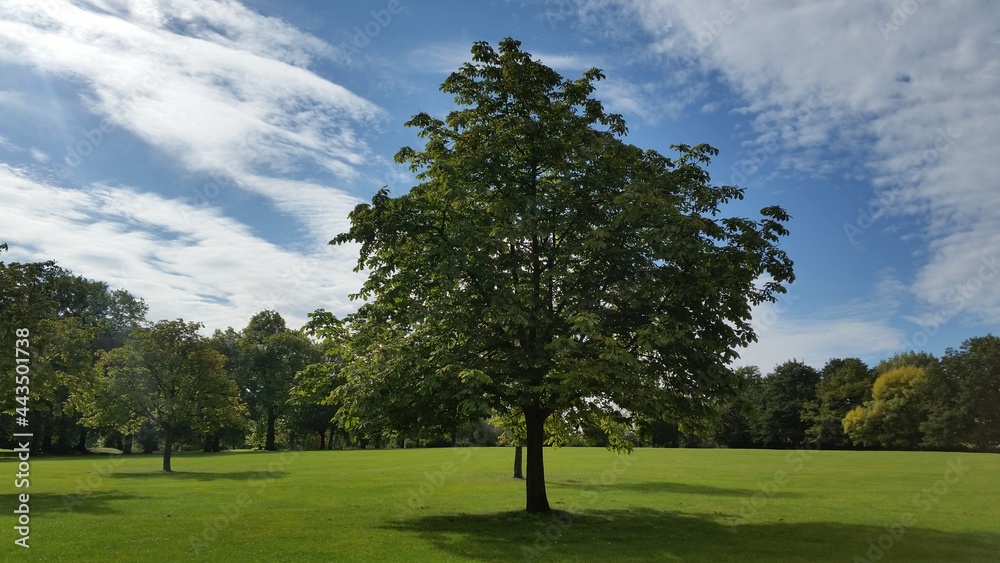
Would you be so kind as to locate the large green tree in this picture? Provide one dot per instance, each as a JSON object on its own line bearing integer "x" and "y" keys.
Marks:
{"x": 169, "y": 376}
{"x": 543, "y": 265}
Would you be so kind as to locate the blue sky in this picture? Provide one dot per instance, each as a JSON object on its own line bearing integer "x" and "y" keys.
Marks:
{"x": 201, "y": 153}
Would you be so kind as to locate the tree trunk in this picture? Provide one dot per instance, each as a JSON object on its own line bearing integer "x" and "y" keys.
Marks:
{"x": 168, "y": 443}
{"x": 518, "y": 463}
{"x": 127, "y": 444}
{"x": 537, "y": 502}
{"x": 322, "y": 440}
{"x": 271, "y": 417}
{"x": 81, "y": 444}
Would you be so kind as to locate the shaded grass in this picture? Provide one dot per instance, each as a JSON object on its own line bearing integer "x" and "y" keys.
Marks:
{"x": 461, "y": 505}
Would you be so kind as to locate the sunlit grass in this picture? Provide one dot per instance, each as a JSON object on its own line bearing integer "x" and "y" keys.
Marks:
{"x": 462, "y": 505}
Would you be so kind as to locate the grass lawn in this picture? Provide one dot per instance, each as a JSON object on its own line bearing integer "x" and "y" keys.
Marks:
{"x": 461, "y": 505}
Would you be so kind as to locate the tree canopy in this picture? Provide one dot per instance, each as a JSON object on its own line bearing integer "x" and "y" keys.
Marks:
{"x": 542, "y": 265}
{"x": 167, "y": 375}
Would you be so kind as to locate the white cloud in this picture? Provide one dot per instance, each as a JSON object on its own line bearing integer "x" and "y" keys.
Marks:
{"x": 187, "y": 261}
{"x": 442, "y": 58}
{"x": 907, "y": 89}
{"x": 857, "y": 329}
{"x": 220, "y": 90}
{"x": 228, "y": 98}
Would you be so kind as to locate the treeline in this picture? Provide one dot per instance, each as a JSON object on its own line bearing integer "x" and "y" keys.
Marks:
{"x": 102, "y": 375}
{"x": 910, "y": 401}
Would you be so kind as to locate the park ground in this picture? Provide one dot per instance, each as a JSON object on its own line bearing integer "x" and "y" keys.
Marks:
{"x": 462, "y": 505}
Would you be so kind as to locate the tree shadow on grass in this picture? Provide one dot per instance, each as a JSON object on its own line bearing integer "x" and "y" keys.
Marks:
{"x": 88, "y": 502}
{"x": 655, "y": 487}
{"x": 199, "y": 475}
{"x": 643, "y": 534}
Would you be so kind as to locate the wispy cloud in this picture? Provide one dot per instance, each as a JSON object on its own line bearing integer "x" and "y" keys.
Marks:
{"x": 221, "y": 98}
{"x": 219, "y": 90}
{"x": 909, "y": 95}
{"x": 185, "y": 258}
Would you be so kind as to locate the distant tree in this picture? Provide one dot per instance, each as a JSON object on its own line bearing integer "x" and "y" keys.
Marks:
{"x": 70, "y": 318}
{"x": 310, "y": 408}
{"x": 270, "y": 354}
{"x": 784, "y": 393}
{"x": 922, "y": 360}
{"x": 227, "y": 343}
{"x": 542, "y": 262}
{"x": 893, "y": 417}
{"x": 967, "y": 406}
{"x": 844, "y": 385}
{"x": 513, "y": 435}
{"x": 739, "y": 415}
{"x": 170, "y": 377}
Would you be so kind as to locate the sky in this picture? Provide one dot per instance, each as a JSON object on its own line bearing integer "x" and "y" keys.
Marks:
{"x": 202, "y": 153}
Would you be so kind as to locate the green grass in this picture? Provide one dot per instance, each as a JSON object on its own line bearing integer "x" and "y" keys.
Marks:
{"x": 461, "y": 505}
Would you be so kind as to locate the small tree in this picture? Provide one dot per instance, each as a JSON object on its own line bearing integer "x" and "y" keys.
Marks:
{"x": 169, "y": 376}
{"x": 893, "y": 417}
{"x": 844, "y": 385}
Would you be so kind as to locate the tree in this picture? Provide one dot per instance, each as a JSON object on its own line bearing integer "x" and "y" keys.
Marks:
{"x": 543, "y": 265}
{"x": 784, "y": 393}
{"x": 844, "y": 384}
{"x": 70, "y": 319}
{"x": 169, "y": 376}
{"x": 896, "y": 411}
{"x": 739, "y": 415}
{"x": 270, "y": 356}
{"x": 971, "y": 411}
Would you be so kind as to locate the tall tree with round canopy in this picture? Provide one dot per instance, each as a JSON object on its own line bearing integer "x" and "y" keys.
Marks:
{"x": 549, "y": 267}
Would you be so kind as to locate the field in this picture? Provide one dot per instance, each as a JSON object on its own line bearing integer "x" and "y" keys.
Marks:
{"x": 461, "y": 505}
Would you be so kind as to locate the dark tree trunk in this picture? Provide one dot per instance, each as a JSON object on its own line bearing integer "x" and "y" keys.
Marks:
{"x": 537, "y": 502}
{"x": 126, "y": 445}
{"x": 212, "y": 443}
{"x": 81, "y": 443}
{"x": 271, "y": 417}
{"x": 322, "y": 440}
{"x": 168, "y": 443}
{"x": 518, "y": 463}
